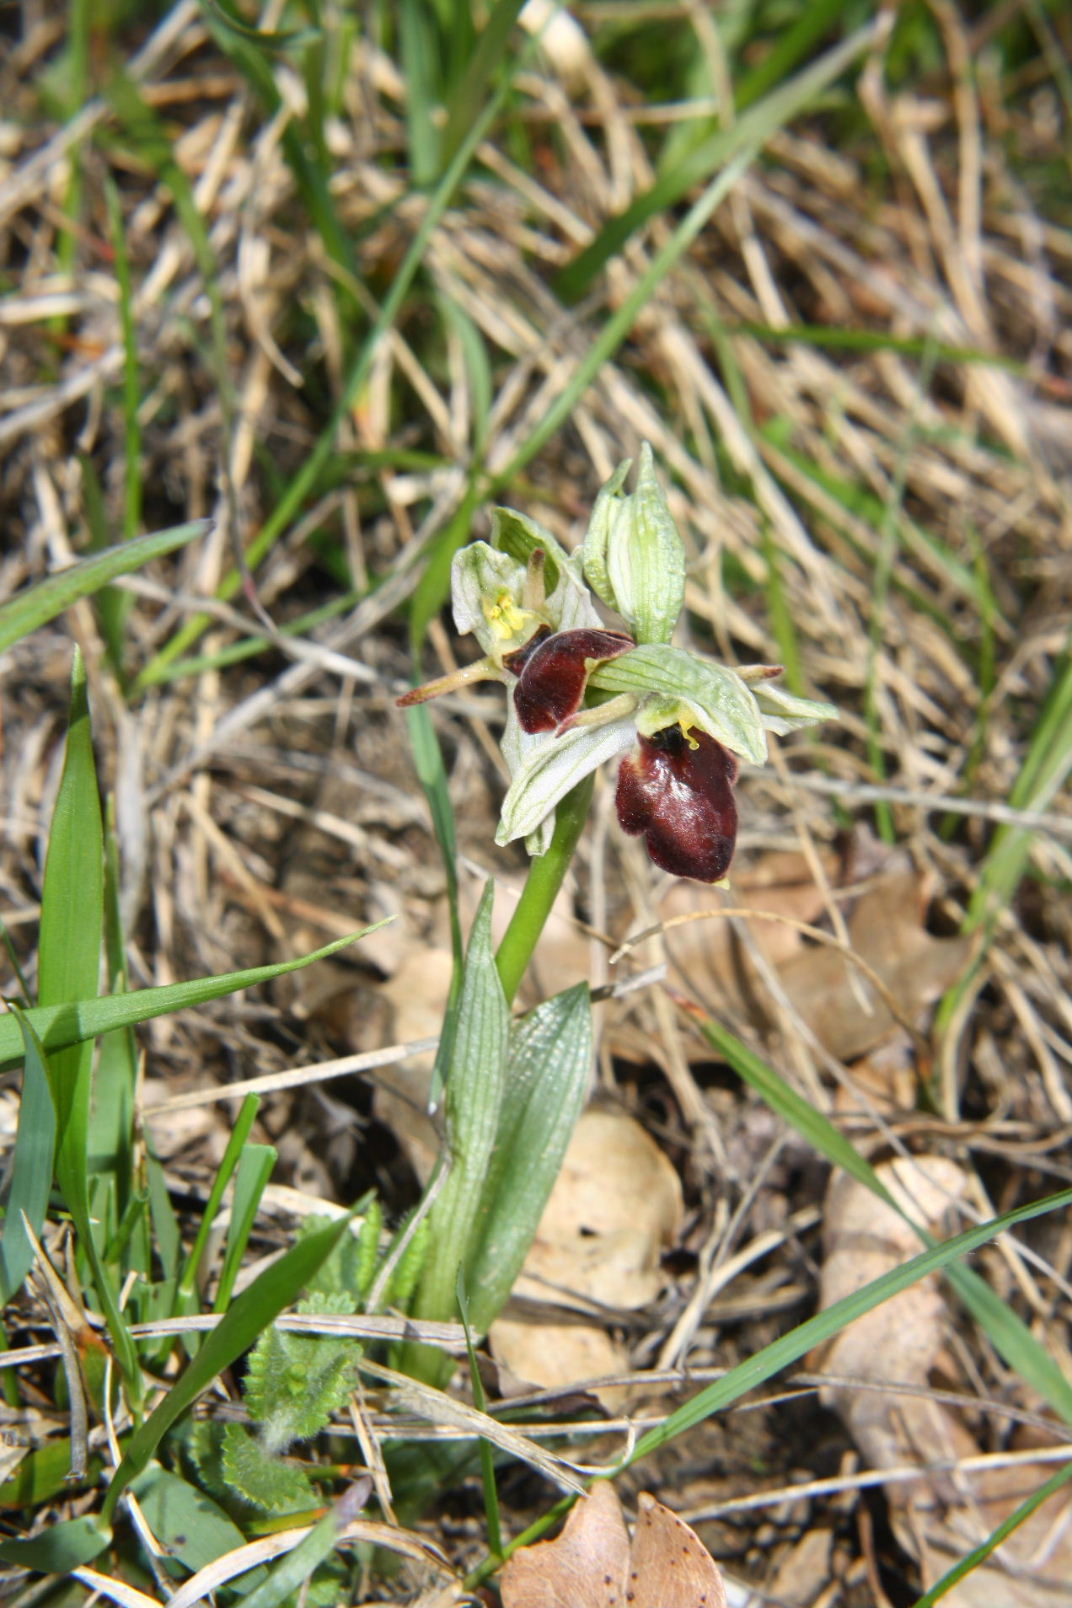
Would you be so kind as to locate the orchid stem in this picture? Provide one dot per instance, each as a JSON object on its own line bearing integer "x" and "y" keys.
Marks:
{"x": 546, "y": 874}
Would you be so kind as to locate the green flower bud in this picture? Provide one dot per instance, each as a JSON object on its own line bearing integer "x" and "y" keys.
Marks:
{"x": 634, "y": 558}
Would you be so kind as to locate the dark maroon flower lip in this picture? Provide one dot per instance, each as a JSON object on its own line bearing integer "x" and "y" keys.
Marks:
{"x": 552, "y": 673}
{"x": 678, "y": 792}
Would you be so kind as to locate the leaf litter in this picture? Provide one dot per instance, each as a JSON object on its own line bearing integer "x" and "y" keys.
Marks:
{"x": 921, "y": 517}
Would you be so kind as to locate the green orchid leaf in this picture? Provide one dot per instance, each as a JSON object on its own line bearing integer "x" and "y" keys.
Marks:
{"x": 548, "y": 1072}
{"x": 474, "y": 1096}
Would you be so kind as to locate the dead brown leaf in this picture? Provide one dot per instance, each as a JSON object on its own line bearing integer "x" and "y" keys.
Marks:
{"x": 615, "y": 1208}
{"x": 940, "y": 1517}
{"x": 592, "y": 1565}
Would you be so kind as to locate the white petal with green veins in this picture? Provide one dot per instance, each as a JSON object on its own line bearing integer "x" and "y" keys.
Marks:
{"x": 553, "y": 767}
{"x": 486, "y": 589}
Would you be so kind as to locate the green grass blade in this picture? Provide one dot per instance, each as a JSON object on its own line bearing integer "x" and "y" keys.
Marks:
{"x": 69, "y": 968}
{"x": 72, "y": 917}
{"x": 484, "y": 63}
{"x": 251, "y": 50}
{"x": 1048, "y": 762}
{"x": 758, "y": 126}
{"x": 814, "y": 1331}
{"x": 432, "y": 774}
{"x": 306, "y": 478}
{"x": 1011, "y": 1337}
{"x": 38, "y": 604}
{"x": 232, "y": 1155}
{"x": 288, "y": 1576}
{"x": 61, "y": 1025}
{"x": 152, "y": 144}
{"x": 112, "y": 1120}
{"x": 31, "y": 1165}
{"x": 1006, "y": 1528}
{"x": 131, "y": 376}
{"x": 254, "y": 1170}
{"x": 792, "y": 45}
{"x": 421, "y": 57}
{"x": 728, "y": 146}
{"x": 248, "y": 1315}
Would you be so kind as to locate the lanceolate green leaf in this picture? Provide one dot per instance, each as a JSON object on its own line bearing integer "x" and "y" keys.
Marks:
{"x": 547, "y": 1075}
{"x": 69, "y": 967}
{"x": 38, "y": 604}
{"x": 60, "y": 1025}
{"x": 31, "y": 1171}
{"x": 473, "y": 1105}
{"x": 72, "y": 917}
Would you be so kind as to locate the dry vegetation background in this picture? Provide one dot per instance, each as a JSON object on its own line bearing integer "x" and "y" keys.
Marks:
{"x": 864, "y": 496}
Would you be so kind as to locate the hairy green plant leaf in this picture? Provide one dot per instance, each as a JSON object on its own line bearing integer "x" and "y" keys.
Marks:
{"x": 261, "y": 1478}
{"x": 241, "y": 1325}
{"x": 296, "y": 1381}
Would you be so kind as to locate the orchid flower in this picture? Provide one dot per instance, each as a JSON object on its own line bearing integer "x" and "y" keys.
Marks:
{"x": 582, "y": 695}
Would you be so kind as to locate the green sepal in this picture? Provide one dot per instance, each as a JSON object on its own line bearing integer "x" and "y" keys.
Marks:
{"x": 725, "y": 706}
{"x": 552, "y": 767}
{"x": 519, "y": 536}
{"x": 783, "y": 712}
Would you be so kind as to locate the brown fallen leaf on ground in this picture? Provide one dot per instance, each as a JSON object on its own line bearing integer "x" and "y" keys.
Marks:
{"x": 833, "y": 996}
{"x": 837, "y": 999}
{"x": 941, "y": 1516}
{"x": 614, "y": 1210}
{"x": 593, "y": 1565}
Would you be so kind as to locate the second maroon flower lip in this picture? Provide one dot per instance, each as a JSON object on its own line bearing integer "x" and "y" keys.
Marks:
{"x": 678, "y": 792}
{"x": 552, "y": 675}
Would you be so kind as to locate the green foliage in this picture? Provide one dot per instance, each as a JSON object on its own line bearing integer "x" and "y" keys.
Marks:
{"x": 513, "y": 1094}
{"x": 294, "y": 1382}
{"x": 266, "y": 1482}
